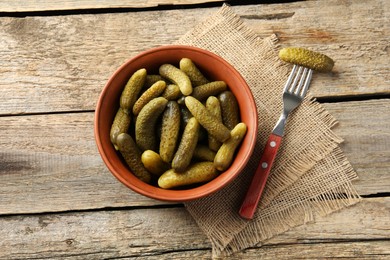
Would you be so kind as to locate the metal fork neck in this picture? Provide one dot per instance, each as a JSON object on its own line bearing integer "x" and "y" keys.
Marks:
{"x": 279, "y": 127}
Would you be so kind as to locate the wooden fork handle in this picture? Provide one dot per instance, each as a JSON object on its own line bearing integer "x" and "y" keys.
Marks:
{"x": 260, "y": 177}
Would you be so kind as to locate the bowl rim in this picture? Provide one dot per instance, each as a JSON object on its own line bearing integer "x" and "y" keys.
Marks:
{"x": 177, "y": 195}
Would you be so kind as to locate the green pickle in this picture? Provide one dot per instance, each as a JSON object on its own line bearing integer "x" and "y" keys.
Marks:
{"x": 229, "y": 108}
{"x": 151, "y": 79}
{"x": 145, "y": 125}
{"x": 204, "y": 153}
{"x": 188, "y": 142}
{"x": 207, "y": 120}
{"x": 307, "y": 58}
{"x": 169, "y": 131}
{"x": 172, "y": 92}
{"x": 132, "y": 156}
{"x": 154, "y": 91}
{"x": 132, "y": 89}
{"x": 225, "y": 155}
{"x": 153, "y": 163}
{"x": 214, "y": 107}
{"x": 196, "y": 173}
{"x": 192, "y": 71}
{"x": 178, "y": 77}
{"x": 202, "y": 92}
{"x": 120, "y": 125}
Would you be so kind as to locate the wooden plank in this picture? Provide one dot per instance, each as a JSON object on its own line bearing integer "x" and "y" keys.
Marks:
{"x": 365, "y": 128}
{"x": 127, "y": 233}
{"x": 51, "y": 163}
{"x": 61, "y": 63}
{"x": 62, "y": 5}
{"x": 345, "y": 250}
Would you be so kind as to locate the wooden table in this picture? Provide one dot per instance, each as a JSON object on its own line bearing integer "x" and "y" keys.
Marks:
{"x": 58, "y": 200}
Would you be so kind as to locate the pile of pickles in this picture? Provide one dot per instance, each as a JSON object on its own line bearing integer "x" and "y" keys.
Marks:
{"x": 176, "y": 129}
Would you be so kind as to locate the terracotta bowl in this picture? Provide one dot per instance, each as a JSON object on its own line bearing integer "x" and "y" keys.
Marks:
{"x": 215, "y": 68}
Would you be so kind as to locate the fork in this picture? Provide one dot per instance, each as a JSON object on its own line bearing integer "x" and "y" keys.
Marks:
{"x": 294, "y": 91}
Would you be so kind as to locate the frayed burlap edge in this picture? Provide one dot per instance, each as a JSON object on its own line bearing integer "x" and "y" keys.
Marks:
{"x": 288, "y": 211}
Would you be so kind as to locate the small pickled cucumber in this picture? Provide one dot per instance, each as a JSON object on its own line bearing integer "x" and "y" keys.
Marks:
{"x": 132, "y": 89}
{"x": 151, "y": 79}
{"x": 204, "y": 153}
{"x": 213, "y": 106}
{"x": 145, "y": 125}
{"x": 153, "y": 163}
{"x": 202, "y": 92}
{"x": 169, "y": 131}
{"x": 307, "y": 58}
{"x": 196, "y": 173}
{"x": 207, "y": 120}
{"x": 192, "y": 72}
{"x": 225, "y": 154}
{"x": 172, "y": 92}
{"x": 132, "y": 156}
{"x": 230, "y": 109}
{"x": 154, "y": 91}
{"x": 178, "y": 77}
{"x": 120, "y": 125}
{"x": 187, "y": 145}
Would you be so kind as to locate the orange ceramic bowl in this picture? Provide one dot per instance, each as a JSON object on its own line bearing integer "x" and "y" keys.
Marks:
{"x": 214, "y": 68}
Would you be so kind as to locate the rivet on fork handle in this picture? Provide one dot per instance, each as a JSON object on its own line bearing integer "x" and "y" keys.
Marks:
{"x": 257, "y": 185}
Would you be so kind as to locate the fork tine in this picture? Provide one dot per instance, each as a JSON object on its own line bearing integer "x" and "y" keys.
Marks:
{"x": 297, "y": 90}
{"x": 290, "y": 78}
{"x": 307, "y": 82}
{"x": 293, "y": 86}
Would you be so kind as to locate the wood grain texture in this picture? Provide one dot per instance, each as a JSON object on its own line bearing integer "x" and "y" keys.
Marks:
{"x": 129, "y": 234}
{"x": 61, "y": 63}
{"x": 51, "y": 163}
{"x": 365, "y": 128}
{"x": 62, "y": 5}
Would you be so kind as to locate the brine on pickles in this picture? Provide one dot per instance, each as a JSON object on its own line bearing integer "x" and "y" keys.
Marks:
{"x": 175, "y": 127}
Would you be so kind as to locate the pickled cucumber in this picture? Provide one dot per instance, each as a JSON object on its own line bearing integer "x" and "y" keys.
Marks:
{"x": 154, "y": 91}
{"x": 230, "y": 109}
{"x": 225, "y": 154}
{"x": 172, "y": 92}
{"x": 207, "y": 120}
{"x": 204, "y": 153}
{"x": 213, "y": 106}
{"x": 120, "y": 125}
{"x": 178, "y": 77}
{"x": 192, "y": 72}
{"x": 187, "y": 145}
{"x": 145, "y": 125}
{"x": 169, "y": 131}
{"x": 132, "y": 89}
{"x": 307, "y": 58}
{"x": 202, "y": 92}
{"x": 132, "y": 156}
{"x": 151, "y": 79}
{"x": 153, "y": 163}
{"x": 196, "y": 173}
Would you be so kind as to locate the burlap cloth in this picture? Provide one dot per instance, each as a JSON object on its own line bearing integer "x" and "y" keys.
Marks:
{"x": 310, "y": 175}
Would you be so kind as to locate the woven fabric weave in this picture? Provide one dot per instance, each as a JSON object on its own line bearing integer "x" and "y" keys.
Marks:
{"x": 310, "y": 175}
